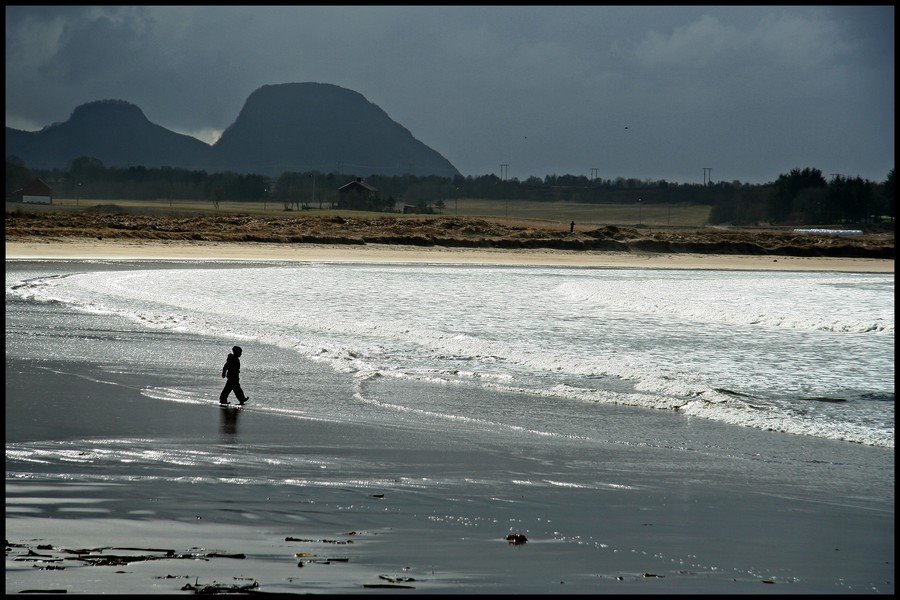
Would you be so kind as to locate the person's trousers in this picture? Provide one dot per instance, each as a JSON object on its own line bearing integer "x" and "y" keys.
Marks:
{"x": 232, "y": 385}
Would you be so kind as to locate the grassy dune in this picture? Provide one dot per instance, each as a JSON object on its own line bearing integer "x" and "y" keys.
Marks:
{"x": 543, "y": 227}
{"x": 554, "y": 214}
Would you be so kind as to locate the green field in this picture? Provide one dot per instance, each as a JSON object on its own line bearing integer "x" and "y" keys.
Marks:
{"x": 551, "y": 214}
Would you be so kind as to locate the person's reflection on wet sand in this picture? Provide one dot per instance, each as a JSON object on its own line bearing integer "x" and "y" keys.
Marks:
{"x": 228, "y": 421}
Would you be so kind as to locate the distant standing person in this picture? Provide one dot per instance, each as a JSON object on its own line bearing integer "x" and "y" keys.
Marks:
{"x": 232, "y": 373}
{"x": 572, "y": 227}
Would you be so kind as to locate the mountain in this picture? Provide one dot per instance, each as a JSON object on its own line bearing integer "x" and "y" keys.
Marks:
{"x": 115, "y": 132}
{"x": 306, "y": 126}
{"x": 285, "y": 127}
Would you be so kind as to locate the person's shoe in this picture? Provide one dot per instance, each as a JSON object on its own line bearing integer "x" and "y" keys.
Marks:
{"x": 244, "y": 400}
{"x": 223, "y": 402}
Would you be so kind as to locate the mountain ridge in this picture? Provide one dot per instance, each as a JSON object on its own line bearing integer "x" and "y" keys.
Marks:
{"x": 281, "y": 127}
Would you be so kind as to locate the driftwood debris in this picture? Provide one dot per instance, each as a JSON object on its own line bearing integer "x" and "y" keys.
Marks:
{"x": 162, "y": 550}
{"x": 96, "y": 557}
{"x": 396, "y": 579}
{"x": 309, "y": 541}
{"x": 218, "y": 588}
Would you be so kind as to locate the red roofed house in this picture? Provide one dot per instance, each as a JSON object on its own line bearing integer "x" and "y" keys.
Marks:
{"x": 356, "y": 194}
{"x": 35, "y": 192}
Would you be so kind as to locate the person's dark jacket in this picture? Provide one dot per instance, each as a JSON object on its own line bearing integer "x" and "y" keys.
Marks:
{"x": 232, "y": 368}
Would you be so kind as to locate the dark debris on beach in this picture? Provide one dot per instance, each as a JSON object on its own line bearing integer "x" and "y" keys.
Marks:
{"x": 97, "y": 557}
{"x": 219, "y": 588}
{"x": 47, "y": 557}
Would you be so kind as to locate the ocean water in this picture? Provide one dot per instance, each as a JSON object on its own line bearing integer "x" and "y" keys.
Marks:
{"x": 806, "y": 354}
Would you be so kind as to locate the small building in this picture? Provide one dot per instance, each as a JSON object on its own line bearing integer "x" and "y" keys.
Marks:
{"x": 35, "y": 192}
{"x": 357, "y": 194}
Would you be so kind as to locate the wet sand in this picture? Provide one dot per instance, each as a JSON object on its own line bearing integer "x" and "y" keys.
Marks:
{"x": 658, "y": 530}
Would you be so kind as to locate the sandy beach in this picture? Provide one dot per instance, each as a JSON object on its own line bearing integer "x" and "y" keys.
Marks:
{"x": 362, "y": 516}
{"x": 111, "y": 249}
{"x": 255, "y": 501}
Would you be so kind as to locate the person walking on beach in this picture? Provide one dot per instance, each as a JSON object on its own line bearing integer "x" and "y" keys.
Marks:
{"x": 572, "y": 227}
{"x": 232, "y": 372}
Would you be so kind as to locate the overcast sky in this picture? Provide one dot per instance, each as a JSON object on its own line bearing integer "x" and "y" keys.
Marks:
{"x": 645, "y": 92}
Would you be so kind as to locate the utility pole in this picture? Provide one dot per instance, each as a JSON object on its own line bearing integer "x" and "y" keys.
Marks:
{"x": 707, "y": 175}
{"x": 504, "y": 173}
{"x": 594, "y": 173}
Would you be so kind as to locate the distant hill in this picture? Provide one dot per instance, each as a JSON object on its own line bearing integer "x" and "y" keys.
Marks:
{"x": 285, "y": 127}
{"x": 306, "y": 126}
{"x": 113, "y": 131}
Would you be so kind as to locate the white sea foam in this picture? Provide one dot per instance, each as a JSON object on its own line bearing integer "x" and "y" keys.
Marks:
{"x": 174, "y": 395}
{"x": 654, "y": 339}
{"x": 777, "y": 302}
{"x": 393, "y": 406}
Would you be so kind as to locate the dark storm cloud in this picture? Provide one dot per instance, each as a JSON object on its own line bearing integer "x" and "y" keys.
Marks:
{"x": 749, "y": 91}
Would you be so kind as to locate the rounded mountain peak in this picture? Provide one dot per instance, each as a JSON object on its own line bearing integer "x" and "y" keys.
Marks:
{"x": 305, "y": 91}
{"x": 286, "y": 100}
{"x": 108, "y": 110}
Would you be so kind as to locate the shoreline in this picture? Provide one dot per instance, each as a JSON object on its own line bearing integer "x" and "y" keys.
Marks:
{"x": 146, "y": 250}
{"x": 153, "y": 527}
{"x": 166, "y": 493}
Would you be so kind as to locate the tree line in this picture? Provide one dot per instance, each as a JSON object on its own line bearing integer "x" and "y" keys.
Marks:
{"x": 801, "y": 196}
